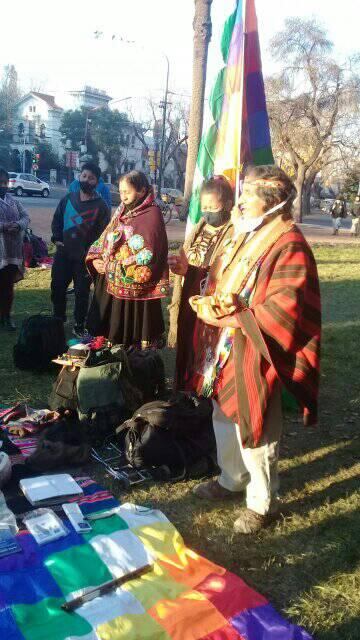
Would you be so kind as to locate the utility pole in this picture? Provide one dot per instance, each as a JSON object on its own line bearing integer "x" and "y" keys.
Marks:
{"x": 23, "y": 153}
{"x": 164, "y": 107}
{"x": 86, "y": 129}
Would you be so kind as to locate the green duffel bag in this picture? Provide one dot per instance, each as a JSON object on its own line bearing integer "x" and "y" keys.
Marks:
{"x": 105, "y": 382}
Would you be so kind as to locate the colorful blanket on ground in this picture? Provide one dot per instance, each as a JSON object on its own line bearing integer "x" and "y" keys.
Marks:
{"x": 185, "y": 597}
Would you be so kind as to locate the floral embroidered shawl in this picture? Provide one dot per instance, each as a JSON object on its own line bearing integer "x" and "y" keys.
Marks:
{"x": 134, "y": 249}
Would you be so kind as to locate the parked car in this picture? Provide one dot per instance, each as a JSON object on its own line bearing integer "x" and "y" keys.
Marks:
{"x": 172, "y": 196}
{"x": 21, "y": 183}
{"x": 115, "y": 195}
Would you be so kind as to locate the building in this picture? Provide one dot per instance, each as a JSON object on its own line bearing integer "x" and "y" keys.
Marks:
{"x": 37, "y": 118}
{"x": 87, "y": 97}
{"x": 134, "y": 154}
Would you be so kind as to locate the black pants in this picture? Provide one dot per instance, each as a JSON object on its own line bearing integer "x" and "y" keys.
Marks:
{"x": 7, "y": 281}
{"x": 64, "y": 271}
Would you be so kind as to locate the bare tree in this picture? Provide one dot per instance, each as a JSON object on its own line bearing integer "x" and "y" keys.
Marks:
{"x": 9, "y": 95}
{"x": 312, "y": 103}
{"x": 176, "y": 133}
{"x": 202, "y": 36}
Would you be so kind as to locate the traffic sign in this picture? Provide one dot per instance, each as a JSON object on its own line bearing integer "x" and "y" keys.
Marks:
{"x": 35, "y": 167}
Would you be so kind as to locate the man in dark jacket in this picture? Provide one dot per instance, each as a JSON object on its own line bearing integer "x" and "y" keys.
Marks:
{"x": 80, "y": 218}
{"x": 338, "y": 212}
{"x": 102, "y": 189}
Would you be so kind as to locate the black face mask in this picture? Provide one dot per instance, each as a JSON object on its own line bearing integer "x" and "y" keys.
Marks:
{"x": 86, "y": 187}
{"x": 3, "y": 192}
{"x": 215, "y": 218}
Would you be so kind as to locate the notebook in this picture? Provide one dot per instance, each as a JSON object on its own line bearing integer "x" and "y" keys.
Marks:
{"x": 50, "y": 489}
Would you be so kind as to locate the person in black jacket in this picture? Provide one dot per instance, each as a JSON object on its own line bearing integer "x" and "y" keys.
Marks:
{"x": 79, "y": 220}
{"x": 338, "y": 212}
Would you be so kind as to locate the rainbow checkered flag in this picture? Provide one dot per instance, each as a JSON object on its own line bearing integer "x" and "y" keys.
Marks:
{"x": 239, "y": 133}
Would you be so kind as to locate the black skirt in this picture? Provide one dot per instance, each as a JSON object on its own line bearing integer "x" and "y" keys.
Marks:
{"x": 138, "y": 323}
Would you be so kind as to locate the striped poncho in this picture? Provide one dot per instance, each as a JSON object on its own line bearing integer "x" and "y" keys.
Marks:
{"x": 278, "y": 338}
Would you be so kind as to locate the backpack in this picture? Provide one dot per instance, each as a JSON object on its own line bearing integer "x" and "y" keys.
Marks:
{"x": 63, "y": 443}
{"x": 28, "y": 253}
{"x": 105, "y": 389}
{"x": 148, "y": 370}
{"x": 63, "y": 394}
{"x": 41, "y": 339}
{"x": 176, "y": 433}
{"x": 39, "y": 246}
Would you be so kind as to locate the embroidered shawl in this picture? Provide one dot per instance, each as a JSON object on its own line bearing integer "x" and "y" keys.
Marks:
{"x": 134, "y": 249}
{"x": 181, "y": 316}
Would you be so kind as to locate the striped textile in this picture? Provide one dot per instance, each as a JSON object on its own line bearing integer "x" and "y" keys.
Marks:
{"x": 184, "y": 597}
{"x": 279, "y": 339}
{"x": 239, "y": 132}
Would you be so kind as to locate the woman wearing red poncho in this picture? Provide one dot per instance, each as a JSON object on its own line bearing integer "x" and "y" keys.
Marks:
{"x": 258, "y": 331}
{"x": 129, "y": 266}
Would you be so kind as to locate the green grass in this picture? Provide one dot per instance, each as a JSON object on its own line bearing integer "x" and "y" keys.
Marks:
{"x": 308, "y": 564}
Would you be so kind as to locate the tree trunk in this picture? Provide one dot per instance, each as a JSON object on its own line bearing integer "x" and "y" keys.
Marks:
{"x": 308, "y": 184}
{"x": 298, "y": 204}
{"x": 306, "y": 208}
{"x": 202, "y": 37}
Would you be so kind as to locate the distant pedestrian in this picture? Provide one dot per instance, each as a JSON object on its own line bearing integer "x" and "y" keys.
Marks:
{"x": 79, "y": 220}
{"x": 13, "y": 223}
{"x": 102, "y": 189}
{"x": 355, "y": 212}
{"x": 338, "y": 212}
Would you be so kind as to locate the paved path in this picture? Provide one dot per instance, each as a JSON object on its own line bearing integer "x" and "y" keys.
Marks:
{"x": 317, "y": 228}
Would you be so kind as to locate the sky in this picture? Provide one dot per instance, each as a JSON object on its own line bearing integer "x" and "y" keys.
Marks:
{"x": 55, "y": 49}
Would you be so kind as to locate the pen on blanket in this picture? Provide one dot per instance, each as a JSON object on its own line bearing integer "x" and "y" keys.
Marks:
{"x": 105, "y": 588}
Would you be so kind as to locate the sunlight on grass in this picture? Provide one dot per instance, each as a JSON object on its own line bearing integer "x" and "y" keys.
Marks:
{"x": 307, "y": 564}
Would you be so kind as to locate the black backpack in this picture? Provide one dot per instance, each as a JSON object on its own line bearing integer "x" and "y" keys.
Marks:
{"x": 176, "y": 433}
{"x": 41, "y": 339}
{"x": 148, "y": 370}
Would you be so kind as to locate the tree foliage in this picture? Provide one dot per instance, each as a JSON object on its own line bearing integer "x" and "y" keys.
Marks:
{"x": 106, "y": 132}
{"x": 48, "y": 159}
{"x": 10, "y": 93}
{"x": 313, "y": 104}
{"x": 176, "y": 135}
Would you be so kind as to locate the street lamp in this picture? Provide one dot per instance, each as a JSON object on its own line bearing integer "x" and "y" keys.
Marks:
{"x": 161, "y": 169}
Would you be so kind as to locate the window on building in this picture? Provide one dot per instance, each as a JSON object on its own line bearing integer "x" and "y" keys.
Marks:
{"x": 144, "y": 164}
{"x": 127, "y": 139}
{"x": 131, "y": 166}
{"x": 126, "y": 167}
{"x": 133, "y": 141}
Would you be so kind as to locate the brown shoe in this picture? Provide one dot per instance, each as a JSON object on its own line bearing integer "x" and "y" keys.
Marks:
{"x": 251, "y": 522}
{"x": 212, "y": 490}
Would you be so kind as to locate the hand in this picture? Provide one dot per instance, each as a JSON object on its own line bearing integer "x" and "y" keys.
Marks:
{"x": 59, "y": 244}
{"x": 179, "y": 264}
{"x": 205, "y": 314}
{"x": 205, "y": 311}
{"x": 99, "y": 265}
{"x": 218, "y": 305}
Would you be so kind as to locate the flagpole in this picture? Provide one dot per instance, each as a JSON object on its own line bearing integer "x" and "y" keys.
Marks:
{"x": 238, "y": 163}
